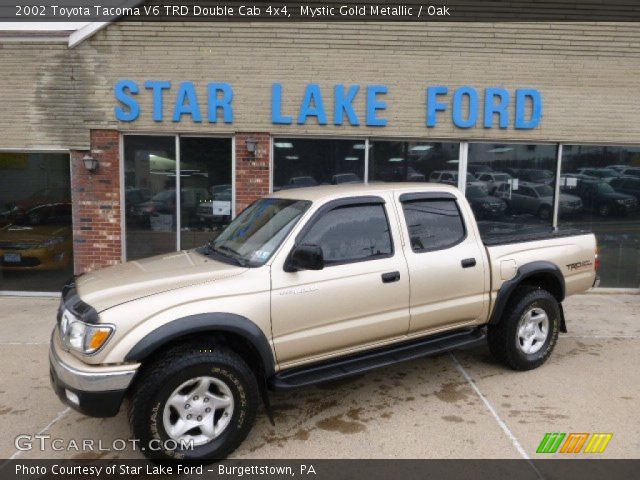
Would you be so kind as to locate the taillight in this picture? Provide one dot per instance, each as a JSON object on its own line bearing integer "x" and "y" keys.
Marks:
{"x": 597, "y": 259}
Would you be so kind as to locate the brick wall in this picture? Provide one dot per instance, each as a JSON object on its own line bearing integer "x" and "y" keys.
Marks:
{"x": 96, "y": 201}
{"x": 252, "y": 172}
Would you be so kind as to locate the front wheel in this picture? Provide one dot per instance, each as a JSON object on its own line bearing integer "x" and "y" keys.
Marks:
{"x": 526, "y": 334}
{"x": 194, "y": 404}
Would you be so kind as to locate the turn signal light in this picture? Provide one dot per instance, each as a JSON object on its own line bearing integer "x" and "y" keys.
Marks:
{"x": 98, "y": 339}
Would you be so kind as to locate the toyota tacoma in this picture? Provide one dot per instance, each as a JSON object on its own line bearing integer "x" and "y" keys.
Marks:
{"x": 305, "y": 286}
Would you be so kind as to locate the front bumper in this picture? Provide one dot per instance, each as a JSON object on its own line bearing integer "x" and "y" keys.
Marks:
{"x": 96, "y": 391}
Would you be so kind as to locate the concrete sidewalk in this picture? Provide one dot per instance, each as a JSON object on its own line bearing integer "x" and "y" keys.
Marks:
{"x": 460, "y": 405}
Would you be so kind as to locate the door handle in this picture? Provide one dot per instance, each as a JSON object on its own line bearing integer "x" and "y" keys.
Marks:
{"x": 468, "y": 262}
{"x": 390, "y": 277}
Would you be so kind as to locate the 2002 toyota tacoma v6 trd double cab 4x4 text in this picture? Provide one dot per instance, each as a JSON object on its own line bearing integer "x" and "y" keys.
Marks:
{"x": 305, "y": 286}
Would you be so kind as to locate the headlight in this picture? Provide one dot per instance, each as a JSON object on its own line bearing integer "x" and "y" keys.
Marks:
{"x": 620, "y": 201}
{"x": 50, "y": 242}
{"x": 83, "y": 337}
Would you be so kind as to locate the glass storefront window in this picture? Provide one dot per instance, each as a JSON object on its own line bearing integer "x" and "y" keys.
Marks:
{"x": 150, "y": 195}
{"x": 607, "y": 181}
{"x": 511, "y": 187}
{"x": 205, "y": 186}
{"x": 36, "y": 244}
{"x": 150, "y": 170}
{"x": 391, "y": 161}
{"x": 308, "y": 162}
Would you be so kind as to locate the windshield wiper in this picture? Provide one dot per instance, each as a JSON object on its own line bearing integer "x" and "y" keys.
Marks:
{"x": 228, "y": 252}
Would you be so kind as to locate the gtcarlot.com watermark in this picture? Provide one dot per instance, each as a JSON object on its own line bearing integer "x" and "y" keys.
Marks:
{"x": 45, "y": 442}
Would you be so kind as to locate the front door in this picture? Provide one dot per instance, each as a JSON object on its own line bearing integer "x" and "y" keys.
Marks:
{"x": 359, "y": 298}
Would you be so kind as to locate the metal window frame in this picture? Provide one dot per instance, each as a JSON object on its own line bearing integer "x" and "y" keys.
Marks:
{"x": 463, "y": 159}
{"x": 178, "y": 195}
{"x": 556, "y": 194}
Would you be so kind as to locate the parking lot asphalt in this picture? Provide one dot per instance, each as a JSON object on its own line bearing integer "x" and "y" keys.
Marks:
{"x": 455, "y": 405}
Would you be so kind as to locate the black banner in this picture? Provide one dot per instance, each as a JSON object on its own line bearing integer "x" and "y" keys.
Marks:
{"x": 577, "y": 469}
{"x": 329, "y": 10}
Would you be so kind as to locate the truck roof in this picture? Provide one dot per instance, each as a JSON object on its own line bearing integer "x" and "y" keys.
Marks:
{"x": 328, "y": 192}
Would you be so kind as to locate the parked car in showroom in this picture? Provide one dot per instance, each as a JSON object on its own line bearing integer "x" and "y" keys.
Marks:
{"x": 305, "y": 286}
{"x": 627, "y": 185}
{"x": 601, "y": 198}
{"x": 218, "y": 209}
{"x": 45, "y": 196}
{"x": 450, "y": 177}
{"x": 484, "y": 205}
{"x": 41, "y": 240}
{"x": 537, "y": 199}
{"x": 604, "y": 174}
{"x": 494, "y": 179}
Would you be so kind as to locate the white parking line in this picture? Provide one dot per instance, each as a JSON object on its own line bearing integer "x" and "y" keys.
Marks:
{"x": 49, "y": 425}
{"x": 487, "y": 404}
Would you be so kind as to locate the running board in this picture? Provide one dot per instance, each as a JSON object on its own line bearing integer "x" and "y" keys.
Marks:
{"x": 372, "y": 359}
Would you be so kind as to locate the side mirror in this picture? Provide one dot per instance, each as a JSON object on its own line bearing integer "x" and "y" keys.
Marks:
{"x": 305, "y": 257}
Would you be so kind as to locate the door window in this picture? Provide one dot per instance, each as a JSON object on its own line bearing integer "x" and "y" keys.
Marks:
{"x": 433, "y": 224}
{"x": 352, "y": 234}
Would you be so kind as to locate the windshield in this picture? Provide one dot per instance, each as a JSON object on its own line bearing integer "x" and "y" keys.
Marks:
{"x": 544, "y": 191}
{"x": 256, "y": 233}
{"x": 605, "y": 188}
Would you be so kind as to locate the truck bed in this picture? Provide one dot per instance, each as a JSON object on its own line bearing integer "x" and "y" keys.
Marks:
{"x": 500, "y": 235}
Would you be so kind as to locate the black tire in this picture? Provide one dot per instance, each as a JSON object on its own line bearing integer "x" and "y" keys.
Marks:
{"x": 503, "y": 336}
{"x": 157, "y": 382}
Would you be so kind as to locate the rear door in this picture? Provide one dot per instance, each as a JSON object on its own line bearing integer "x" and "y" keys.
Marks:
{"x": 447, "y": 263}
{"x": 359, "y": 298}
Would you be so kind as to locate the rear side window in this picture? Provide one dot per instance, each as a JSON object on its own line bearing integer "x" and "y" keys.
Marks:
{"x": 352, "y": 234}
{"x": 433, "y": 224}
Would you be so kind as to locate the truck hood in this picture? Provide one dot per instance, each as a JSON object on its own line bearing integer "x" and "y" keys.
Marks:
{"x": 129, "y": 281}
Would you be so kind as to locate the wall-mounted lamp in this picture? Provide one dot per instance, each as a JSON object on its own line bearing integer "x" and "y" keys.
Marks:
{"x": 90, "y": 163}
{"x": 252, "y": 146}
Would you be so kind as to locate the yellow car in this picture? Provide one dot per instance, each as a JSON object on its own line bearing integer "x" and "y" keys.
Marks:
{"x": 41, "y": 241}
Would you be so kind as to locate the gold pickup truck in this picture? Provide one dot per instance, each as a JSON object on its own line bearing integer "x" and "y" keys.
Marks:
{"x": 305, "y": 286}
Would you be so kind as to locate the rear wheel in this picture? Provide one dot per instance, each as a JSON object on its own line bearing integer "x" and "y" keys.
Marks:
{"x": 194, "y": 404}
{"x": 528, "y": 331}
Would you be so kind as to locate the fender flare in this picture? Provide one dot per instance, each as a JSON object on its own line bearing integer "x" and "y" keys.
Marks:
{"x": 205, "y": 322}
{"x": 525, "y": 271}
